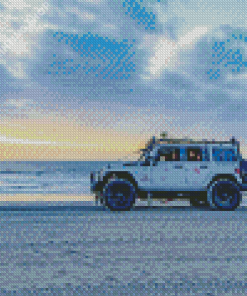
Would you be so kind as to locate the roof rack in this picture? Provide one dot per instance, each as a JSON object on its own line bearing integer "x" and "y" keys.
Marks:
{"x": 191, "y": 141}
{"x": 154, "y": 141}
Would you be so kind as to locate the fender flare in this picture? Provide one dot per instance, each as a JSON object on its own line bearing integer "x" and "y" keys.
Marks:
{"x": 223, "y": 176}
{"x": 121, "y": 175}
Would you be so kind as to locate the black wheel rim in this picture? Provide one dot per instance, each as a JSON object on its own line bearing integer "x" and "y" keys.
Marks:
{"x": 225, "y": 195}
{"x": 119, "y": 195}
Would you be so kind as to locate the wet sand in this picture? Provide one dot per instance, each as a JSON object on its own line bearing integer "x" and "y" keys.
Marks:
{"x": 177, "y": 251}
{"x": 79, "y": 200}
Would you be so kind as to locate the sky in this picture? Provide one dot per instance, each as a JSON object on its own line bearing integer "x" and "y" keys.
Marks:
{"x": 94, "y": 80}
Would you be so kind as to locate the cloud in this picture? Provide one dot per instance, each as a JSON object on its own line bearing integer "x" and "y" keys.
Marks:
{"x": 166, "y": 51}
{"x": 137, "y": 11}
{"x": 12, "y": 4}
{"x": 7, "y": 82}
{"x": 29, "y": 61}
{"x": 10, "y": 140}
{"x": 94, "y": 66}
{"x": 192, "y": 37}
{"x": 178, "y": 72}
{"x": 18, "y": 103}
{"x": 20, "y": 28}
{"x": 115, "y": 56}
{"x": 168, "y": 69}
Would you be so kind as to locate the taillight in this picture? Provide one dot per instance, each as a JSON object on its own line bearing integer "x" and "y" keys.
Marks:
{"x": 237, "y": 171}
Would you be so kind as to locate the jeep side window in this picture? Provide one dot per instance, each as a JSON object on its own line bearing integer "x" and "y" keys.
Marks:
{"x": 168, "y": 154}
{"x": 194, "y": 154}
{"x": 221, "y": 154}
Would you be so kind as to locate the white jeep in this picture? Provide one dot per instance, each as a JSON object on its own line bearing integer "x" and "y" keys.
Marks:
{"x": 206, "y": 172}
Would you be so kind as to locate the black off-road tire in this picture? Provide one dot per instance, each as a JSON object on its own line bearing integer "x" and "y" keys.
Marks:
{"x": 119, "y": 195}
{"x": 224, "y": 194}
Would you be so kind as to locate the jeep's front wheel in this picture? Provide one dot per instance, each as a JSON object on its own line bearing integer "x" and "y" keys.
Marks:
{"x": 224, "y": 194}
{"x": 119, "y": 195}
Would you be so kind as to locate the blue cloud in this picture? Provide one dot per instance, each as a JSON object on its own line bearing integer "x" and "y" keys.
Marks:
{"x": 228, "y": 57}
{"x": 136, "y": 11}
{"x": 177, "y": 89}
{"x": 214, "y": 57}
{"x": 112, "y": 61}
{"x": 110, "y": 68}
{"x": 89, "y": 47}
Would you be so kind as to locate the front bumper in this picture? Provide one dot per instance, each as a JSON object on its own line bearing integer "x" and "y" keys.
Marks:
{"x": 95, "y": 185}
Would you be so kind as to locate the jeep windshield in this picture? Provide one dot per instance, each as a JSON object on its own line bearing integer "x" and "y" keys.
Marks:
{"x": 145, "y": 155}
{"x": 140, "y": 157}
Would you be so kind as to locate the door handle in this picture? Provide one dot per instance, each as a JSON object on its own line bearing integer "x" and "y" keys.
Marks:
{"x": 203, "y": 167}
{"x": 178, "y": 167}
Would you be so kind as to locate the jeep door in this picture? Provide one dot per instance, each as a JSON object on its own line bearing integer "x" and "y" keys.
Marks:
{"x": 167, "y": 174}
{"x": 197, "y": 168}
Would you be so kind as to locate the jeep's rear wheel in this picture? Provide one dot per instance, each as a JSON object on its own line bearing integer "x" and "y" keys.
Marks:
{"x": 119, "y": 195}
{"x": 224, "y": 194}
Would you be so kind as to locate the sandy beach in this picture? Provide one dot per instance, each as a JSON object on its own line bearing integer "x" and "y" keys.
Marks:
{"x": 78, "y": 200}
{"x": 177, "y": 251}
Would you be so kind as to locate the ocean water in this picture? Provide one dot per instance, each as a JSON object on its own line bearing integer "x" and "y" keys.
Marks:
{"x": 46, "y": 177}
